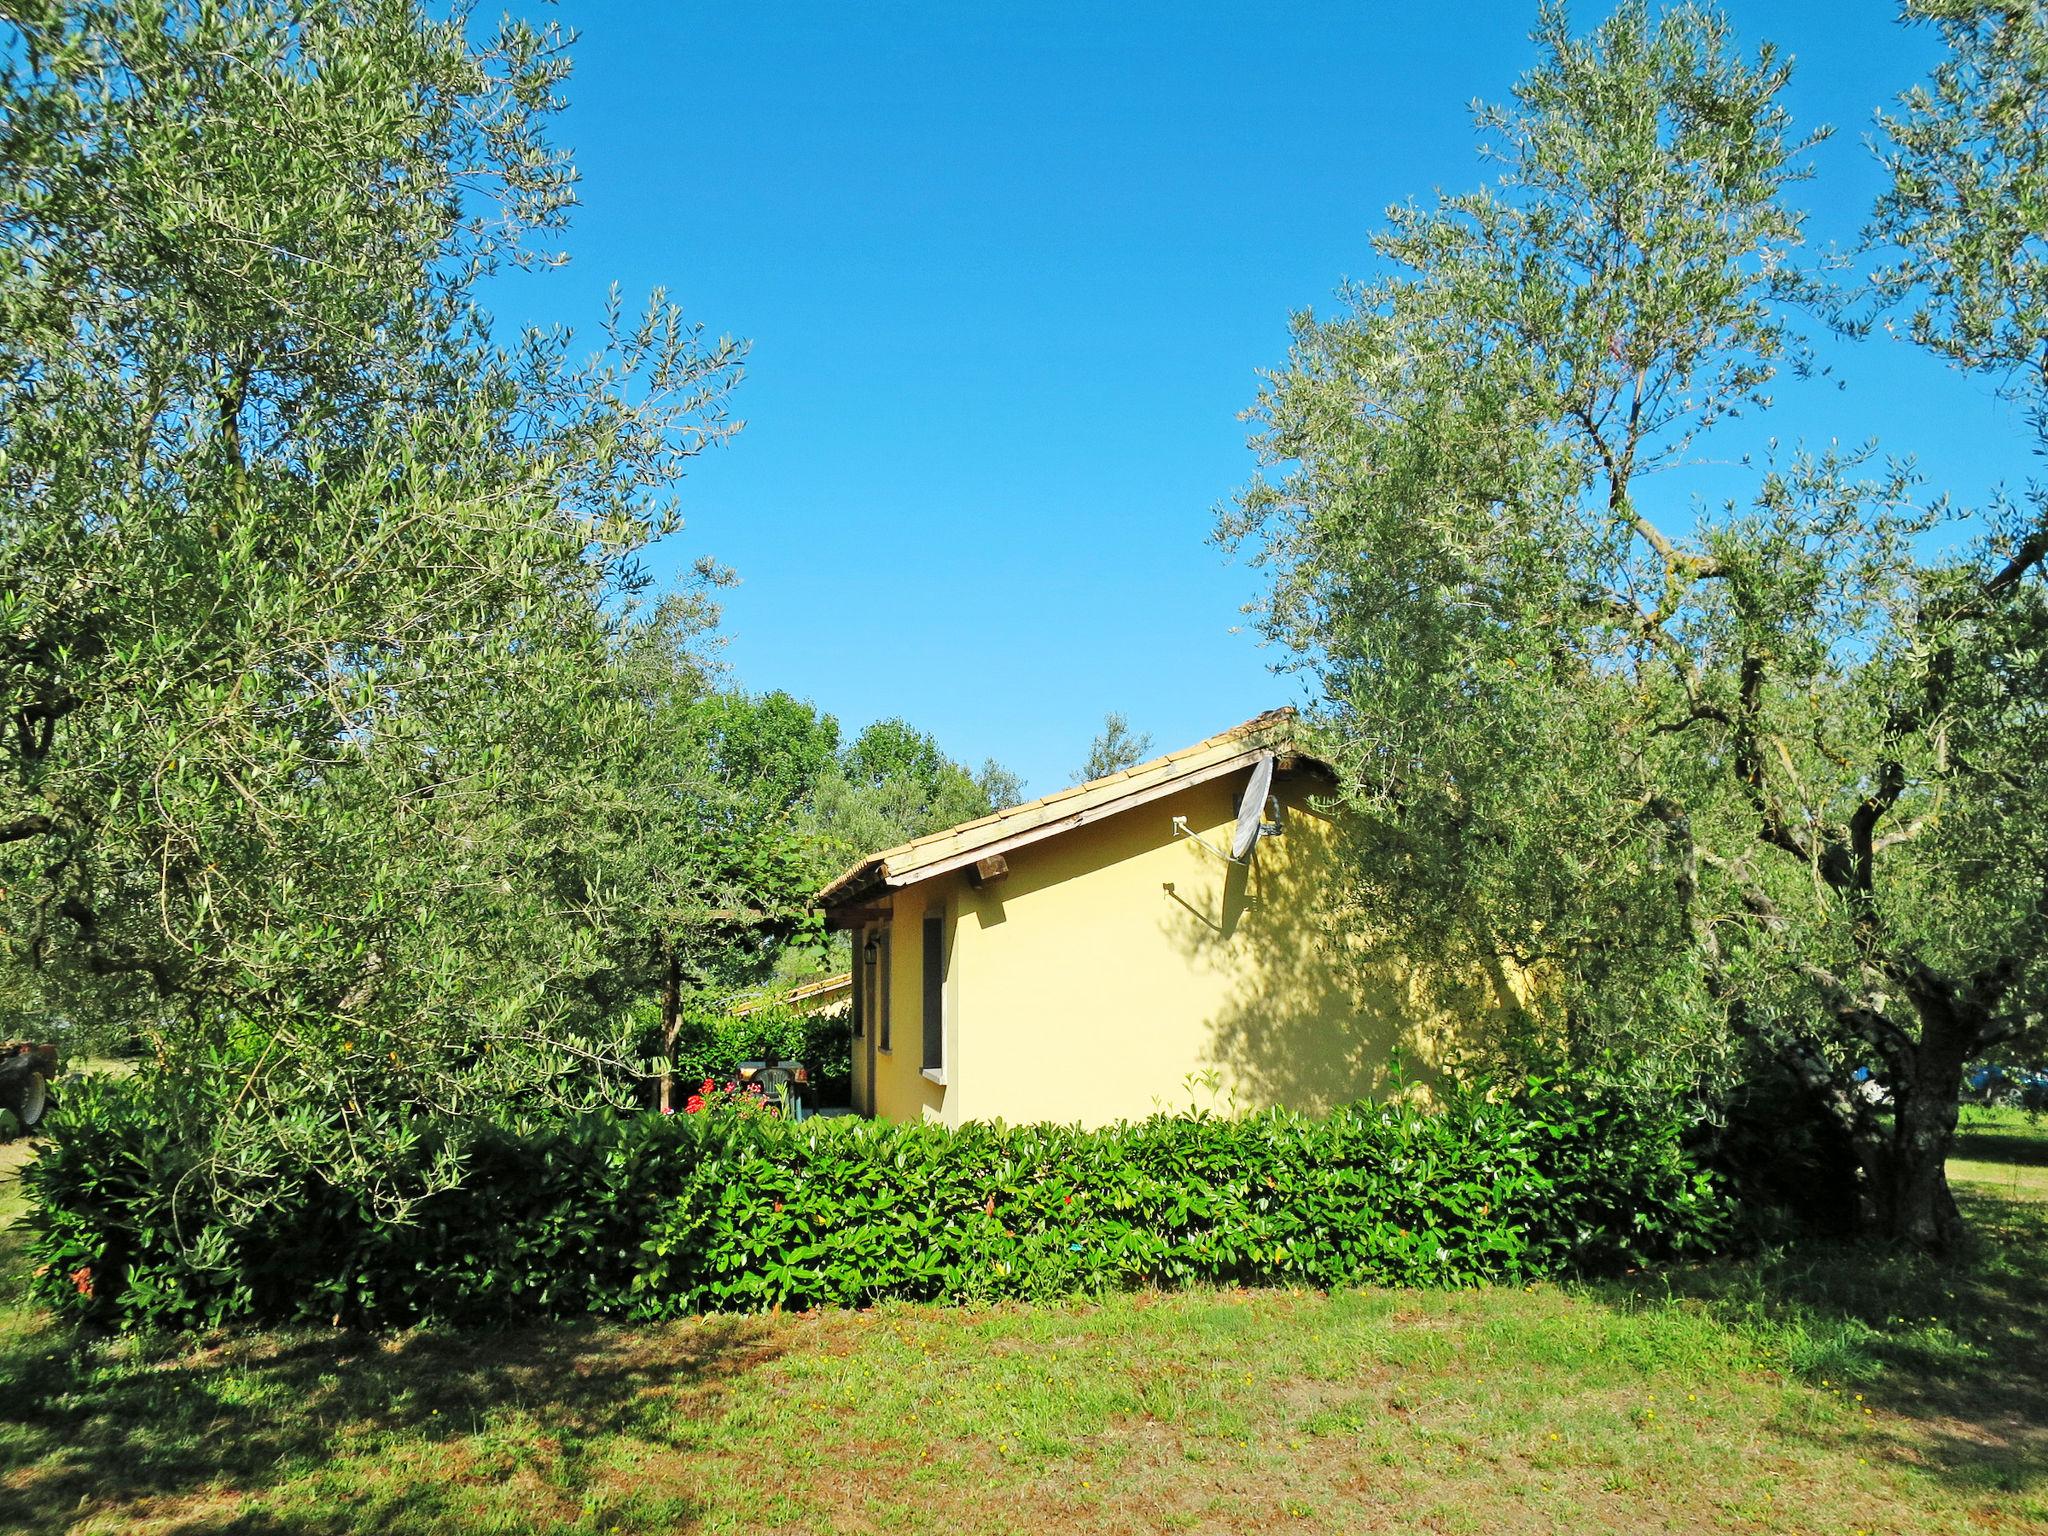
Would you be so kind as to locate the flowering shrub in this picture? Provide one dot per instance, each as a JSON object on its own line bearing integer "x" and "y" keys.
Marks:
{"x": 649, "y": 1216}
{"x": 743, "y": 1098}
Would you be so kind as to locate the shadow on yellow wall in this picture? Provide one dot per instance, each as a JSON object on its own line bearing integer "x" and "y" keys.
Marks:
{"x": 1320, "y": 1006}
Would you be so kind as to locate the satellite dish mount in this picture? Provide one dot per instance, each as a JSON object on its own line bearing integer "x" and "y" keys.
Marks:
{"x": 1251, "y": 816}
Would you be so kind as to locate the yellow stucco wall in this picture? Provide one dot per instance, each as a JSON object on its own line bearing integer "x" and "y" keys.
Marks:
{"x": 1121, "y": 968}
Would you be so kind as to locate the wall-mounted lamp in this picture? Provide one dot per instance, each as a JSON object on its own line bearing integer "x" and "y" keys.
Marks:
{"x": 871, "y": 951}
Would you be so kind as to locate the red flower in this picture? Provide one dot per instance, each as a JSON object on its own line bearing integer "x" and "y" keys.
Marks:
{"x": 82, "y": 1278}
{"x": 708, "y": 1087}
{"x": 694, "y": 1104}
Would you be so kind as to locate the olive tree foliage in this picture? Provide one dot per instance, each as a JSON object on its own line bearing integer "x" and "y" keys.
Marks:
{"x": 1765, "y": 776}
{"x": 1962, "y": 239}
{"x": 1963, "y": 227}
{"x": 310, "y": 592}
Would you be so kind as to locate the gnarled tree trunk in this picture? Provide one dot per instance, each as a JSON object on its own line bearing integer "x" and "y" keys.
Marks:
{"x": 671, "y": 1022}
{"x": 1926, "y": 1100}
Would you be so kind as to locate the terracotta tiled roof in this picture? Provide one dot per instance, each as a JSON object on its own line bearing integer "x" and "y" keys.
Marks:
{"x": 821, "y": 991}
{"x": 1016, "y": 825}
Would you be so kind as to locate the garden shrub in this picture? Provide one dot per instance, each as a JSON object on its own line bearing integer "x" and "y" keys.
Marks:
{"x": 713, "y": 1043}
{"x": 648, "y": 1216}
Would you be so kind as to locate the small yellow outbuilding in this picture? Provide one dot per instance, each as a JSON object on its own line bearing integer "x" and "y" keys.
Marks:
{"x": 1168, "y": 937}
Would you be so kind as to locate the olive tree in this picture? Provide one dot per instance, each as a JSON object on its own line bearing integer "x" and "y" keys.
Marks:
{"x": 312, "y": 591}
{"x": 1766, "y": 772}
{"x": 1963, "y": 226}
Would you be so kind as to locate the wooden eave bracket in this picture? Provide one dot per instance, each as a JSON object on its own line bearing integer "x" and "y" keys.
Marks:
{"x": 846, "y": 919}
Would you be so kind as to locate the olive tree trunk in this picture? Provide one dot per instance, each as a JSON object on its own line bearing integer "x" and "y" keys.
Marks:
{"x": 671, "y": 1023}
{"x": 1918, "y": 1207}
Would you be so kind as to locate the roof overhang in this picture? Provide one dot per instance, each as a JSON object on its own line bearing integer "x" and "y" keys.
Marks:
{"x": 1020, "y": 826}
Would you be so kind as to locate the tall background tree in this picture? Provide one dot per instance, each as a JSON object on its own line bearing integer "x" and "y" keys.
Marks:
{"x": 892, "y": 783}
{"x": 1754, "y": 794}
{"x": 1115, "y": 747}
{"x": 710, "y": 852}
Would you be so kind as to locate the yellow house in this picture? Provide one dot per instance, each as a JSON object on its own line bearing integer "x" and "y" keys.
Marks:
{"x": 1167, "y": 937}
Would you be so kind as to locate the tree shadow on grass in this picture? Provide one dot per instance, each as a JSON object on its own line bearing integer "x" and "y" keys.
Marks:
{"x": 1994, "y": 1146}
{"x": 1951, "y": 1355}
{"x": 314, "y": 1434}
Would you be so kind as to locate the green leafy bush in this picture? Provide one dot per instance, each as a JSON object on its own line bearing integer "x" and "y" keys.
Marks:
{"x": 650, "y": 1216}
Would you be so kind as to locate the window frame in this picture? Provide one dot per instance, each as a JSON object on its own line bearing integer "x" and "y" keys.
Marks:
{"x": 883, "y": 1036}
{"x": 860, "y": 984}
{"x": 932, "y": 958}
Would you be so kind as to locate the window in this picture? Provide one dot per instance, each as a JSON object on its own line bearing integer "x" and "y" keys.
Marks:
{"x": 860, "y": 984}
{"x": 934, "y": 993}
{"x": 878, "y": 978}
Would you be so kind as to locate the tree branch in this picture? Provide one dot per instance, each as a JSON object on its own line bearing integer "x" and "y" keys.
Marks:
{"x": 25, "y": 827}
{"x": 2032, "y": 551}
{"x": 1842, "y": 1000}
{"x": 1749, "y": 764}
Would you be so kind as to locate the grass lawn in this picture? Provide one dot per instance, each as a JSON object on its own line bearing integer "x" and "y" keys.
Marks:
{"x": 1831, "y": 1392}
{"x": 2002, "y": 1152}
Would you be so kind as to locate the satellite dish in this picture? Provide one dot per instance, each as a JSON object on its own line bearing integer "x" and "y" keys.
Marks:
{"x": 1251, "y": 810}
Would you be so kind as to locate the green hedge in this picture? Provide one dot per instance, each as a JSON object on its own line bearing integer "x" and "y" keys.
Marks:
{"x": 649, "y": 1216}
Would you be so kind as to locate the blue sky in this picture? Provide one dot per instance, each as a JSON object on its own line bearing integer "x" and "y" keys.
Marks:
{"x": 1009, "y": 272}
